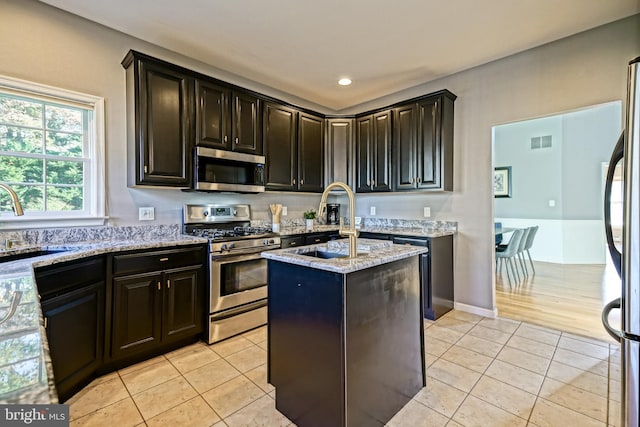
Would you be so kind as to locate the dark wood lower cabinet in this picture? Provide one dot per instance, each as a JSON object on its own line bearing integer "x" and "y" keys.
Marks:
{"x": 136, "y": 313}
{"x": 183, "y": 305}
{"x": 153, "y": 309}
{"x": 75, "y": 331}
{"x": 96, "y": 323}
{"x": 73, "y": 305}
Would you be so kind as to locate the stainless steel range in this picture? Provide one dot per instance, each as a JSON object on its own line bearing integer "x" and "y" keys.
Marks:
{"x": 238, "y": 284}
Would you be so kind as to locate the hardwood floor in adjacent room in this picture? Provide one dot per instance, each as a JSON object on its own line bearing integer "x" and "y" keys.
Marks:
{"x": 567, "y": 297}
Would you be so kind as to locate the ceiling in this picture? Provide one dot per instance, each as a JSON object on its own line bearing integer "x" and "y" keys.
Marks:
{"x": 303, "y": 47}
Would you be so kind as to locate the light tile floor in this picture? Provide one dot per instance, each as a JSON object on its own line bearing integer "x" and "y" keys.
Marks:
{"x": 480, "y": 372}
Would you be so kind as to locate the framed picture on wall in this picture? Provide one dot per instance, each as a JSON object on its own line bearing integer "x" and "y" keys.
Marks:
{"x": 502, "y": 182}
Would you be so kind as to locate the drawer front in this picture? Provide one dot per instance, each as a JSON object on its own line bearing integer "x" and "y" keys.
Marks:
{"x": 60, "y": 278}
{"x": 155, "y": 260}
{"x": 287, "y": 242}
{"x": 312, "y": 239}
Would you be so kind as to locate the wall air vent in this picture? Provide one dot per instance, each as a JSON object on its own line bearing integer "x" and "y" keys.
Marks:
{"x": 538, "y": 142}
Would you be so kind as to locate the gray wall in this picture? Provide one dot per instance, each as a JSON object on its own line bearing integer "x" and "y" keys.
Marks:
{"x": 570, "y": 172}
{"x": 589, "y": 138}
{"x": 536, "y": 175}
{"x": 45, "y": 45}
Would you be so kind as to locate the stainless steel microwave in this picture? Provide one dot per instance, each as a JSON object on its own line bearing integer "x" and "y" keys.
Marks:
{"x": 220, "y": 170}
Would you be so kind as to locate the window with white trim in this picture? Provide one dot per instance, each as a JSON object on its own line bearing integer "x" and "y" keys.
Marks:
{"x": 51, "y": 152}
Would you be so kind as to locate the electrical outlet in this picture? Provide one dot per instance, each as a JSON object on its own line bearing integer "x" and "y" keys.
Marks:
{"x": 552, "y": 203}
{"x": 146, "y": 214}
{"x": 372, "y": 210}
{"x": 427, "y": 212}
{"x": 284, "y": 211}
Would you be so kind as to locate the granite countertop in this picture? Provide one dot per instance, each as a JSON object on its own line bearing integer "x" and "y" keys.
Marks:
{"x": 371, "y": 253}
{"x": 25, "y": 366}
{"x": 404, "y": 231}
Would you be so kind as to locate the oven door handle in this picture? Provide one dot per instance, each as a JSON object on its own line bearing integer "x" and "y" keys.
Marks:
{"x": 229, "y": 258}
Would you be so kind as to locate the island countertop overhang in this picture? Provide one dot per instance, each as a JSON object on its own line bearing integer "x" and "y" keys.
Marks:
{"x": 373, "y": 252}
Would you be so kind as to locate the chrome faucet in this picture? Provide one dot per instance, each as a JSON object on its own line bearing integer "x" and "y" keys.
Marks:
{"x": 17, "y": 207}
{"x": 351, "y": 231}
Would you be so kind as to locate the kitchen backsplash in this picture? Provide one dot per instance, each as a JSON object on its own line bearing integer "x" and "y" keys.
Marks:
{"x": 57, "y": 236}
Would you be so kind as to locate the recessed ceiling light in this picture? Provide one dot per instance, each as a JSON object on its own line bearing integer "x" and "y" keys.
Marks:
{"x": 344, "y": 81}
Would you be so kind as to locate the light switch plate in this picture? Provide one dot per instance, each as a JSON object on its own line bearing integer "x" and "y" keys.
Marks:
{"x": 284, "y": 211}
{"x": 427, "y": 212}
{"x": 552, "y": 203}
{"x": 146, "y": 214}
{"x": 372, "y": 210}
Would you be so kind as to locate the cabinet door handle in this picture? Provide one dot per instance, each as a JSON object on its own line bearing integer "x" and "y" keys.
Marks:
{"x": 419, "y": 180}
{"x": 236, "y": 140}
{"x": 411, "y": 180}
{"x": 168, "y": 284}
{"x": 146, "y": 170}
{"x": 369, "y": 183}
{"x": 293, "y": 182}
{"x": 293, "y": 243}
{"x": 164, "y": 259}
{"x": 301, "y": 181}
{"x": 159, "y": 286}
{"x": 46, "y": 322}
{"x": 225, "y": 138}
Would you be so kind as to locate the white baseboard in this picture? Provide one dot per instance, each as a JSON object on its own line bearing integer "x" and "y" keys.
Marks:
{"x": 476, "y": 310}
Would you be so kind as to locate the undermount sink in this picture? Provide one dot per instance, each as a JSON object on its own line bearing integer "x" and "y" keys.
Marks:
{"x": 329, "y": 255}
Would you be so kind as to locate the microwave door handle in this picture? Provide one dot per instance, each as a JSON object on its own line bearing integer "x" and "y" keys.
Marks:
{"x": 618, "y": 153}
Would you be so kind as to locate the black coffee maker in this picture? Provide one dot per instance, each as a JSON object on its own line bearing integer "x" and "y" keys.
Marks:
{"x": 333, "y": 213}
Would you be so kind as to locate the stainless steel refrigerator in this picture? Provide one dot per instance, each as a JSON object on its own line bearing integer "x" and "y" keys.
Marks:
{"x": 627, "y": 259}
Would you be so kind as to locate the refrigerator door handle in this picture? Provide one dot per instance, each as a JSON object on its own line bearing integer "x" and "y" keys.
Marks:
{"x": 615, "y": 334}
{"x": 618, "y": 153}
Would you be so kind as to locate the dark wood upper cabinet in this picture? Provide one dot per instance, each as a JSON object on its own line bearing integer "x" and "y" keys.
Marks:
{"x": 213, "y": 116}
{"x": 227, "y": 120}
{"x": 294, "y": 149}
{"x": 402, "y": 147}
{"x": 246, "y": 123}
{"x": 423, "y": 144}
{"x": 339, "y": 151}
{"x": 373, "y": 152}
{"x": 159, "y": 105}
{"x": 281, "y": 149}
{"x": 310, "y": 153}
{"x": 364, "y": 155}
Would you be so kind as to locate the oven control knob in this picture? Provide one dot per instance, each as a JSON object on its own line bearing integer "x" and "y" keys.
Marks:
{"x": 223, "y": 247}
{"x": 268, "y": 242}
{"x": 205, "y": 213}
{"x": 232, "y": 245}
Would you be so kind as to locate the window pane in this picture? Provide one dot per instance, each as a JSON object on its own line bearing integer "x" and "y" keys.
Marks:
{"x": 63, "y": 118}
{"x": 20, "y": 111}
{"x": 30, "y": 197}
{"x": 20, "y": 139}
{"x": 64, "y": 144}
{"x": 18, "y": 169}
{"x": 64, "y": 198}
{"x": 61, "y": 172}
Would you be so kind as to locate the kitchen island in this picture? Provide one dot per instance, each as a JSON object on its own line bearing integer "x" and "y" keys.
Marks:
{"x": 345, "y": 334}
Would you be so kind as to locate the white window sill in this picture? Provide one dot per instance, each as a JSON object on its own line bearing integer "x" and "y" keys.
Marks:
{"x": 26, "y": 222}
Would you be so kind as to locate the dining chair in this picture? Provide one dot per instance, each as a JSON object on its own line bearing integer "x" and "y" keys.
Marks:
{"x": 506, "y": 255}
{"x": 529, "y": 243}
{"x": 520, "y": 251}
{"x": 498, "y": 232}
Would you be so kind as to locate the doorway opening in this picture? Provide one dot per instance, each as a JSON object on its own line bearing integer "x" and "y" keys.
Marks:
{"x": 554, "y": 181}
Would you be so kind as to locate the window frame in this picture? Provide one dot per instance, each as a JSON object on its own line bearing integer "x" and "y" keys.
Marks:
{"x": 94, "y": 181}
